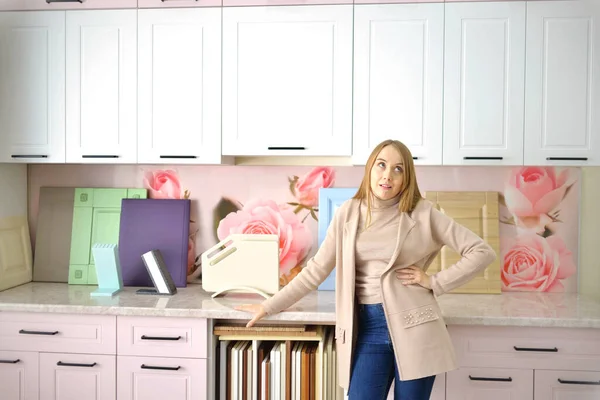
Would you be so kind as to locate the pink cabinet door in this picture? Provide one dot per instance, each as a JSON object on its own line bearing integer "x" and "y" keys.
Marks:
{"x": 160, "y": 378}
{"x": 19, "y": 375}
{"x": 489, "y": 384}
{"x": 567, "y": 385}
{"x": 77, "y": 376}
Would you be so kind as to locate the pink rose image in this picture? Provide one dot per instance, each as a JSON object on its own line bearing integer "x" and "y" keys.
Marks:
{"x": 265, "y": 217}
{"x": 162, "y": 184}
{"x": 306, "y": 188}
{"x": 531, "y": 193}
{"x": 534, "y": 263}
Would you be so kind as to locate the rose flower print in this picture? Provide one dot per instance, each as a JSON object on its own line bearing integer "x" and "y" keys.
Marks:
{"x": 535, "y": 263}
{"x": 306, "y": 189}
{"x": 265, "y": 217}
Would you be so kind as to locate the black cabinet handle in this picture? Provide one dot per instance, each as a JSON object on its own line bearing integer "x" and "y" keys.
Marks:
{"x": 144, "y": 366}
{"x": 177, "y": 156}
{"x": 481, "y": 378}
{"x": 547, "y": 350}
{"x": 99, "y": 156}
{"x": 26, "y": 332}
{"x": 286, "y": 148}
{"x": 29, "y": 156}
{"x": 9, "y": 361}
{"x": 63, "y": 364}
{"x": 415, "y": 158}
{"x": 482, "y": 158}
{"x": 144, "y": 337}
{"x": 64, "y": 1}
{"x": 567, "y": 158}
{"x": 567, "y": 382}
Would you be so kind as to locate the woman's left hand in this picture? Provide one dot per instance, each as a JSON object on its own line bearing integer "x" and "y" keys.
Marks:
{"x": 413, "y": 275}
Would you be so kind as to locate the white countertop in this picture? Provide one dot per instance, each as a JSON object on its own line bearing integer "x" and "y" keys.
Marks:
{"x": 507, "y": 309}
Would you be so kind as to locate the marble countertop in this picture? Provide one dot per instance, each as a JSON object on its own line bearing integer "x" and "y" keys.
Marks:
{"x": 507, "y": 309}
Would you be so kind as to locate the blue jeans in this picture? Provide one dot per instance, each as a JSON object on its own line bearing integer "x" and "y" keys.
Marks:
{"x": 374, "y": 364}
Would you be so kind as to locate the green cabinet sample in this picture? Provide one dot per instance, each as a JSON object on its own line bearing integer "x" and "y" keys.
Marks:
{"x": 96, "y": 219}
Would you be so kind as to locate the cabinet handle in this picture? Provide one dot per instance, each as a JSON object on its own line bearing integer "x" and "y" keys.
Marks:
{"x": 567, "y": 382}
{"x": 62, "y": 364}
{"x": 177, "y": 156}
{"x": 144, "y": 337}
{"x": 99, "y": 156}
{"x": 10, "y": 361}
{"x": 286, "y": 148}
{"x": 415, "y": 158}
{"x": 567, "y": 158}
{"x": 64, "y": 1}
{"x": 166, "y": 0}
{"x": 481, "y": 378}
{"x": 482, "y": 158}
{"x": 550, "y": 350}
{"x": 144, "y": 366}
{"x": 26, "y": 332}
{"x": 29, "y": 155}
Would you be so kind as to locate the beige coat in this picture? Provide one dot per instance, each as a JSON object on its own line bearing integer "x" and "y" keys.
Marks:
{"x": 421, "y": 342}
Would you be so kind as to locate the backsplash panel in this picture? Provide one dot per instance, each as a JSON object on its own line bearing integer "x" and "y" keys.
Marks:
{"x": 539, "y": 211}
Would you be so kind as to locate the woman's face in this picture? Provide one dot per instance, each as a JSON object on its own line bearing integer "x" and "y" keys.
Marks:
{"x": 387, "y": 174}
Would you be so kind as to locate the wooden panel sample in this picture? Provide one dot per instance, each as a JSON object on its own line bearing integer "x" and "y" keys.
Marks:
{"x": 478, "y": 211}
{"x": 15, "y": 252}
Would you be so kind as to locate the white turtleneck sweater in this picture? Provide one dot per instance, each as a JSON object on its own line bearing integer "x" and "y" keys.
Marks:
{"x": 375, "y": 246}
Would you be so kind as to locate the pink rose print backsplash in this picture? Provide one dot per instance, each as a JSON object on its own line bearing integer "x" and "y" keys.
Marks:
{"x": 539, "y": 210}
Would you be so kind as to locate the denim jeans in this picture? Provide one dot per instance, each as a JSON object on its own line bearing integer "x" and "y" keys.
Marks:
{"x": 374, "y": 364}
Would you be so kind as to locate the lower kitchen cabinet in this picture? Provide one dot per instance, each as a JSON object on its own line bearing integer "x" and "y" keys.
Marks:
{"x": 489, "y": 384}
{"x": 567, "y": 385}
{"x": 19, "y": 375}
{"x": 160, "y": 378}
{"x": 65, "y": 376}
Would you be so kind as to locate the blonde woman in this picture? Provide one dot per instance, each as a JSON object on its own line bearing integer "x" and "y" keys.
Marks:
{"x": 388, "y": 323}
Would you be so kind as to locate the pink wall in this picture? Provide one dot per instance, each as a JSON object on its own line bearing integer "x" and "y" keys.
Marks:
{"x": 548, "y": 246}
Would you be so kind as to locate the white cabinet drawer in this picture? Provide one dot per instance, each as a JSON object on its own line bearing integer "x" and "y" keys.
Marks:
{"x": 489, "y": 384}
{"x": 537, "y": 348}
{"x": 162, "y": 336}
{"x": 18, "y": 5}
{"x": 567, "y": 385}
{"x": 92, "y": 334}
{"x": 19, "y": 375}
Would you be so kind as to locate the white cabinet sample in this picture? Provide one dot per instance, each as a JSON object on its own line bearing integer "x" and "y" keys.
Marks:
{"x": 32, "y": 86}
{"x": 179, "y": 93}
{"x": 101, "y": 86}
{"x": 398, "y": 79}
{"x": 484, "y": 78}
{"x": 287, "y": 80}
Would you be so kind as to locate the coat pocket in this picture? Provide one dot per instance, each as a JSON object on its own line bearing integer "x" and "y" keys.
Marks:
{"x": 418, "y": 316}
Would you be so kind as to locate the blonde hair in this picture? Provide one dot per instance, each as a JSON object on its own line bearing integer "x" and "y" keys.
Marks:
{"x": 409, "y": 192}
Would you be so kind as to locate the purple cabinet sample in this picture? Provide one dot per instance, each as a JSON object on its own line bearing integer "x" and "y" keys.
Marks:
{"x": 152, "y": 224}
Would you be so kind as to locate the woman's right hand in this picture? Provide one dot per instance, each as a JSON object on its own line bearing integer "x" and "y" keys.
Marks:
{"x": 257, "y": 309}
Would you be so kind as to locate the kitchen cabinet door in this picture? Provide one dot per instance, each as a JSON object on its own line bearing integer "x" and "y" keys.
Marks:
{"x": 179, "y": 76}
{"x": 66, "y": 376}
{"x": 562, "y": 93}
{"x": 101, "y": 86}
{"x": 287, "y": 80}
{"x": 484, "y": 81}
{"x": 19, "y": 375}
{"x": 159, "y": 378}
{"x": 32, "y": 87}
{"x": 567, "y": 385}
{"x": 398, "y": 79}
{"x": 489, "y": 383}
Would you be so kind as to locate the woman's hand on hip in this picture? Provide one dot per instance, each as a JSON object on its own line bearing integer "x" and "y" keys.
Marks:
{"x": 414, "y": 275}
{"x": 258, "y": 311}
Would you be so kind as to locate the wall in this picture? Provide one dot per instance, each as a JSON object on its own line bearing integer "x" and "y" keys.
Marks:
{"x": 539, "y": 236}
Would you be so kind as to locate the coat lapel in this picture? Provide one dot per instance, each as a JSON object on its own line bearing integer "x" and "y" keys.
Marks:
{"x": 404, "y": 227}
{"x": 349, "y": 246}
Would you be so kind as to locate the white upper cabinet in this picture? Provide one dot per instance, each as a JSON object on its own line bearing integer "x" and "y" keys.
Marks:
{"x": 398, "y": 79}
{"x": 562, "y": 119}
{"x": 101, "y": 86}
{"x": 32, "y": 87}
{"x": 179, "y": 93}
{"x": 287, "y": 80}
{"x": 484, "y": 83}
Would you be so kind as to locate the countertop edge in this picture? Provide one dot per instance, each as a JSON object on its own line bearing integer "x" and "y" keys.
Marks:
{"x": 325, "y": 318}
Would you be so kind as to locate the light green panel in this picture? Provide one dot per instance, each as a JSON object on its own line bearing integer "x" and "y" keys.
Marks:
{"x": 96, "y": 219}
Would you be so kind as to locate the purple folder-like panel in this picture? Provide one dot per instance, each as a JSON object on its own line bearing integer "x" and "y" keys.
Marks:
{"x": 152, "y": 224}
